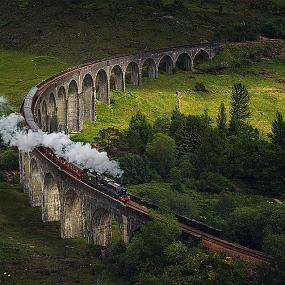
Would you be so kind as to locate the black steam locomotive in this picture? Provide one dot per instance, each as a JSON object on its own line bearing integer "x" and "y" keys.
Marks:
{"x": 89, "y": 176}
{"x": 110, "y": 186}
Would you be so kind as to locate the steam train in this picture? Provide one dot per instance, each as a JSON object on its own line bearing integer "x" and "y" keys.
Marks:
{"x": 89, "y": 176}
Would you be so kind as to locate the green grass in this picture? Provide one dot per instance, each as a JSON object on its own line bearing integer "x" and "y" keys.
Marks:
{"x": 158, "y": 96}
{"x": 20, "y": 71}
{"x": 88, "y": 29}
{"x": 33, "y": 253}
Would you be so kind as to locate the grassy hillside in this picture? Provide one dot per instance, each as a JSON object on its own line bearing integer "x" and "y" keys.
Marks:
{"x": 20, "y": 71}
{"x": 32, "y": 253}
{"x": 86, "y": 29}
{"x": 264, "y": 81}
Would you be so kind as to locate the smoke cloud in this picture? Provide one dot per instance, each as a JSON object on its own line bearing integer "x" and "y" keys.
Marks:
{"x": 3, "y": 101}
{"x": 74, "y": 152}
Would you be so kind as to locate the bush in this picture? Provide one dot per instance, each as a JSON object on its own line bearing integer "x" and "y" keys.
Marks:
{"x": 9, "y": 160}
{"x": 225, "y": 205}
{"x": 247, "y": 227}
{"x": 200, "y": 87}
{"x": 161, "y": 153}
{"x": 274, "y": 29}
{"x": 135, "y": 169}
{"x": 214, "y": 183}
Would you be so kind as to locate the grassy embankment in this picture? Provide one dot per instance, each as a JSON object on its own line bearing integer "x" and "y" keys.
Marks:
{"x": 20, "y": 71}
{"x": 264, "y": 80}
{"x": 32, "y": 252}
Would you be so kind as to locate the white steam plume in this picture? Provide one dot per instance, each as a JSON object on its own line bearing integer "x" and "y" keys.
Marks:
{"x": 74, "y": 152}
{"x": 3, "y": 101}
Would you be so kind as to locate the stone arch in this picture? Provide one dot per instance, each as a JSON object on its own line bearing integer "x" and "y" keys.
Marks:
{"x": 73, "y": 107}
{"x": 166, "y": 65}
{"x": 200, "y": 57}
{"x": 183, "y": 61}
{"x": 133, "y": 74}
{"x": 25, "y": 163}
{"x": 39, "y": 118}
{"x": 52, "y": 113}
{"x": 35, "y": 184}
{"x": 149, "y": 68}
{"x": 72, "y": 225}
{"x": 44, "y": 117}
{"x": 25, "y": 169}
{"x": 61, "y": 109}
{"x": 117, "y": 78}
{"x": 51, "y": 199}
{"x": 102, "y": 85}
{"x": 88, "y": 98}
{"x": 101, "y": 227}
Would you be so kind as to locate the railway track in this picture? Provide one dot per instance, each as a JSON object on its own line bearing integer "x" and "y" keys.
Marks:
{"x": 214, "y": 243}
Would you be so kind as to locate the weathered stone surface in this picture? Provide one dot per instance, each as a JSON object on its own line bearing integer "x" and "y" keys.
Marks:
{"x": 82, "y": 210}
{"x": 72, "y": 97}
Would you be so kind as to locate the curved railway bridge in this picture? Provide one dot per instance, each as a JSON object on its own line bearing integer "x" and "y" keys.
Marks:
{"x": 61, "y": 103}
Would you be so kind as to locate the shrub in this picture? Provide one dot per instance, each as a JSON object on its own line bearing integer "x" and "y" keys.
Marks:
{"x": 225, "y": 204}
{"x": 161, "y": 153}
{"x": 9, "y": 160}
{"x": 213, "y": 182}
{"x": 135, "y": 169}
{"x": 247, "y": 227}
{"x": 200, "y": 87}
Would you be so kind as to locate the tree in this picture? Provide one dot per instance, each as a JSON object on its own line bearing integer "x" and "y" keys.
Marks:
{"x": 274, "y": 244}
{"x": 222, "y": 118}
{"x": 278, "y": 131}
{"x": 108, "y": 139}
{"x": 210, "y": 152}
{"x": 145, "y": 251}
{"x": 162, "y": 124}
{"x": 225, "y": 204}
{"x": 278, "y": 138}
{"x": 247, "y": 227}
{"x": 139, "y": 133}
{"x": 188, "y": 132}
{"x": 161, "y": 153}
{"x": 135, "y": 169}
{"x": 239, "y": 106}
{"x": 9, "y": 159}
{"x": 213, "y": 182}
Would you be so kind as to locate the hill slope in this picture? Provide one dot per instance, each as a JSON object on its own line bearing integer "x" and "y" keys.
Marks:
{"x": 90, "y": 29}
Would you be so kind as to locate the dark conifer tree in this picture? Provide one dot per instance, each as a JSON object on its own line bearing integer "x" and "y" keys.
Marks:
{"x": 239, "y": 106}
{"x": 222, "y": 118}
{"x": 139, "y": 133}
{"x": 278, "y": 130}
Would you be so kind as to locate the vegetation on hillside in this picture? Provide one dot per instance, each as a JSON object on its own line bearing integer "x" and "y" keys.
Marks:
{"x": 33, "y": 253}
{"x": 90, "y": 29}
{"x": 260, "y": 67}
{"x": 192, "y": 155}
{"x": 162, "y": 259}
{"x": 213, "y": 165}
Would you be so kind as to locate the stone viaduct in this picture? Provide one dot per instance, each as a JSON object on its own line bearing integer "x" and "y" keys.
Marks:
{"x": 62, "y": 103}
{"x": 71, "y": 99}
